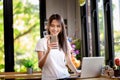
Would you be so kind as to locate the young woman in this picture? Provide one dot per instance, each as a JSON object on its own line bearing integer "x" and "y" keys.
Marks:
{"x": 54, "y": 56}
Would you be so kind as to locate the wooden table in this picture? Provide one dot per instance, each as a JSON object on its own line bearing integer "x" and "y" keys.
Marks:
{"x": 20, "y": 75}
{"x": 37, "y": 76}
{"x": 98, "y": 78}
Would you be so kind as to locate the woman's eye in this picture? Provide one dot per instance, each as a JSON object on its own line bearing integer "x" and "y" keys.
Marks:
{"x": 58, "y": 25}
{"x": 52, "y": 25}
{"x": 55, "y": 26}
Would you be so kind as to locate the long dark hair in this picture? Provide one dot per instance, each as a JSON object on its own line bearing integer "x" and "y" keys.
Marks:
{"x": 62, "y": 38}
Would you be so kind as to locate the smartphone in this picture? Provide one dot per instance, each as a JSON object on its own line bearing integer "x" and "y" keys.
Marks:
{"x": 53, "y": 38}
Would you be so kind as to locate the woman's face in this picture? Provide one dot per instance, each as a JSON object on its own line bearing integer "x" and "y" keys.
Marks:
{"x": 55, "y": 27}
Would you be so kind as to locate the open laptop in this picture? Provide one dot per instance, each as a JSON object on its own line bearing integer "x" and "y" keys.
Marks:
{"x": 91, "y": 66}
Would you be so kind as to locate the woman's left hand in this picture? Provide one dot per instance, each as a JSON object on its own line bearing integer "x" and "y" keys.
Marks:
{"x": 78, "y": 73}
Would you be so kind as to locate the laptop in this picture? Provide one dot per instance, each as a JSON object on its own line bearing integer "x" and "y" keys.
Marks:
{"x": 91, "y": 66}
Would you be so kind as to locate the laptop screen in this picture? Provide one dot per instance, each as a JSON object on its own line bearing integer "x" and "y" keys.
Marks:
{"x": 91, "y": 66}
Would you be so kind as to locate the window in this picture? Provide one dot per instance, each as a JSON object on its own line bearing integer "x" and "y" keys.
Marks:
{"x": 1, "y": 38}
{"x": 101, "y": 27}
{"x": 26, "y": 32}
{"x": 116, "y": 26}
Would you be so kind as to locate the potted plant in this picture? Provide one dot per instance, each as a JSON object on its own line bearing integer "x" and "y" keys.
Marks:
{"x": 28, "y": 63}
{"x": 117, "y": 69}
{"x": 76, "y": 45}
{"x": 2, "y": 67}
{"x": 76, "y": 56}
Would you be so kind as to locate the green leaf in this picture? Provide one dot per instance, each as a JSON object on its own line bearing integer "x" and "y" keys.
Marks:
{"x": 28, "y": 63}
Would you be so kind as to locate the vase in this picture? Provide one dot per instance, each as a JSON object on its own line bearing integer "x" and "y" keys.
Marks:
{"x": 29, "y": 70}
{"x": 117, "y": 73}
{"x": 76, "y": 62}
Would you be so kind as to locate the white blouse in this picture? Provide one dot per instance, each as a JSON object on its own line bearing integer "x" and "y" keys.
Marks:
{"x": 55, "y": 65}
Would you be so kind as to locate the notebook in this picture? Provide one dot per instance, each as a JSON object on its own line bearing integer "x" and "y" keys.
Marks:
{"x": 91, "y": 66}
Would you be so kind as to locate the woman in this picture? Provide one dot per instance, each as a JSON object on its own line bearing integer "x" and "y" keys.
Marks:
{"x": 54, "y": 56}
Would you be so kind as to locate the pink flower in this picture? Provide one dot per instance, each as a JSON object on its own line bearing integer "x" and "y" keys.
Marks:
{"x": 76, "y": 51}
{"x": 73, "y": 46}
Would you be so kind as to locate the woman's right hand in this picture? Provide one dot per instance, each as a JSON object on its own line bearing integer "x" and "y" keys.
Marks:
{"x": 52, "y": 45}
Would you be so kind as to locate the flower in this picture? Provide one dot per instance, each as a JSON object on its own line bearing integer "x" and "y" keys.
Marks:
{"x": 75, "y": 57}
{"x": 76, "y": 45}
{"x": 117, "y": 63}
{"x": 75, "y": 61}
